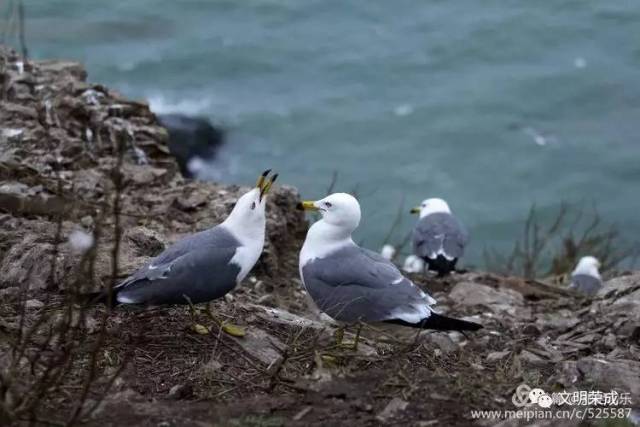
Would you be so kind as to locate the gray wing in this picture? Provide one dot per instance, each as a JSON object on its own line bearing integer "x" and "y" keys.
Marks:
{"x": 357, "y": 284}
{"x": 196, "y": 266}
{"x": 585, "y": 284}
{"x": 439, "y": 234}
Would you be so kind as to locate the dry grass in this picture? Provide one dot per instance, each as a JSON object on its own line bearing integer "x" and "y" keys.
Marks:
{"x": 45, "y": 352}
{"x": 552, "y": 248}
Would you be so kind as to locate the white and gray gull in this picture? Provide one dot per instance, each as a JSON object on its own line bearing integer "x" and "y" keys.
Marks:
{"x": 439, "y": 238}
{"x": 586, "y": 277}
{"x": 203, "y": 266}
{"x": 352, "y": 284}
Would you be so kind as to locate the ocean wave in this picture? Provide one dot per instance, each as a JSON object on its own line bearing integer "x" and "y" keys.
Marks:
{"x": 160, "y": 104}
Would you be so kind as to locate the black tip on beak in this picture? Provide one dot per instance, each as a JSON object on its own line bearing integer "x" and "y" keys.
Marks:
{"x": 299, "y": 206}
{"x": 265, "y": 185}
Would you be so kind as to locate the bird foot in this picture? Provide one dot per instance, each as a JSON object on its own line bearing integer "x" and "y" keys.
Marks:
{"x": 233, "y": 330}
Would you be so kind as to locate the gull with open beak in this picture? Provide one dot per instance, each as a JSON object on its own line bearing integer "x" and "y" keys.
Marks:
{"x": 352, "y": 284}
{"x": 206, "y": 265}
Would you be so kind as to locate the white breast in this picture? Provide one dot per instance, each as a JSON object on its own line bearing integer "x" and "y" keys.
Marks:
{"x": 245, "y": 258}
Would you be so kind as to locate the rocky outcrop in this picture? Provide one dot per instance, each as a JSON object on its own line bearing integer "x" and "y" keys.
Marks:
{"x": 191, "y": 137}
{"x": 72, "y": 154}
{"x": 69, "y": 149}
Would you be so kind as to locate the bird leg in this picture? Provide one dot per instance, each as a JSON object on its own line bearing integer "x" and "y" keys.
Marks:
{"x": 231, "y": 329}
{"x": 210, "y": 314}
{"x": 195, "y": 326}
{"x": 192, "y": 310}
{"x": 339, "y": 336}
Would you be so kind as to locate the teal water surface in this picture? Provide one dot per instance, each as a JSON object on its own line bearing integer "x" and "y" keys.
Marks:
{"x": 491, "y": 105}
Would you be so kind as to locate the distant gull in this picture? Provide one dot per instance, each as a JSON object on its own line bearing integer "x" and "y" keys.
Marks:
{"x": 413, "y": 264}
{"x": 388, "y": 252}
{"x": 438, "y": 237}
{"x": 353, "y": 284}
{"x": 586, "y": 278}
{"x": 206, "y": 265}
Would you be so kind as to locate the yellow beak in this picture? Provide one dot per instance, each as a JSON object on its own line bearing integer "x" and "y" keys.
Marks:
{"x": 265, "y": 184}
{"x": 415, "y": 210}
{"x": 262, "y": 178}
{"x": 307, "y": 205}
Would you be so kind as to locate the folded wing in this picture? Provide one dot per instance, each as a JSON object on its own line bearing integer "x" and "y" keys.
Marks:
{"x": 197, "y": 267}
{"x": 355, "y": 284}
{"x": 439, "y": 234}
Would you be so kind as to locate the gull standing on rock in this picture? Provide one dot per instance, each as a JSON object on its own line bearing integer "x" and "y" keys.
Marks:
{"x": 352, "y": 284}
{"x": 203, "y": 266}
{"x": 438, "y": 237}
{"x": 586, "y": 277}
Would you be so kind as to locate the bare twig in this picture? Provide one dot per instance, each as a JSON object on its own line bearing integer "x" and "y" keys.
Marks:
{"x": 529, "y": 256}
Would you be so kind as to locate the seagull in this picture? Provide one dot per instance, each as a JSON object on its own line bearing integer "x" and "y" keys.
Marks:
{"x": 203, "y": 266}
{"x": 438, "y": 237}
{"x": 352, "y": 284}
{"x": 586, "y": 278}
{"x": 413, "y": 264}
{"x": 388, "y": 252}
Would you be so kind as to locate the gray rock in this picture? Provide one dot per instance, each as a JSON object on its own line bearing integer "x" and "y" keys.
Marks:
{"x": 144, "y": 241}
{"x": 441, "y": 341}
{"x": 395, "y": 406}
{"x": 191, "y": 137}
{"x": 621, "y": 375}
{"x": 33, "y": 304}
{"x": 495, "y": 356}
{"x": 475, "y": 294}
{"x": 180, "y": 391}
{"x": 74, "y": 69}
{"x": 261, "y": 346}
{"x": 531, "y": 358}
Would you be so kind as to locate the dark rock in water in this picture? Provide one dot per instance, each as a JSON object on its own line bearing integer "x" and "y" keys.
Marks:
{"x": 190, "y": 137}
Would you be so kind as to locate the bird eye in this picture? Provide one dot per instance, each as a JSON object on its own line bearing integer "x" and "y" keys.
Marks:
{"x": 327, "y": 204}
{"x": 253, "y": 205}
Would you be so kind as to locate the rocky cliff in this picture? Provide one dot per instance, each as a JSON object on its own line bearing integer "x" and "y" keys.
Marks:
{"x": 69, "y": 149}
{"x": 78, "y": 160}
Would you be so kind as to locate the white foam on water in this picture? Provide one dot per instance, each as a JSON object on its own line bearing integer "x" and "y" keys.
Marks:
{"x": 196, "y": 165}
{"x": 403, "y": 110}
{"x": 159, "y": 104}
{"x": 540, "y": 139}
{"x": 579, "y": 62}
{"x": 126, "y": 65}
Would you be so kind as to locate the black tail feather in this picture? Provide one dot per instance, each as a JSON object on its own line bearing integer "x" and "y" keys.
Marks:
{"x": 439, "y": 322}
{"x": 441, "y": 265}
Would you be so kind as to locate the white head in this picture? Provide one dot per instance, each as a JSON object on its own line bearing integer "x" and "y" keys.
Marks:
{"x": 340, "y": 217}
{"x": 388, "y": 252}
{"x": 413, "y": 264}
{"x": 247, "y": 219}
{"x": 340, "y": 210}
{"x": 430, "y": 206}
{"x": 588, "y": 265}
